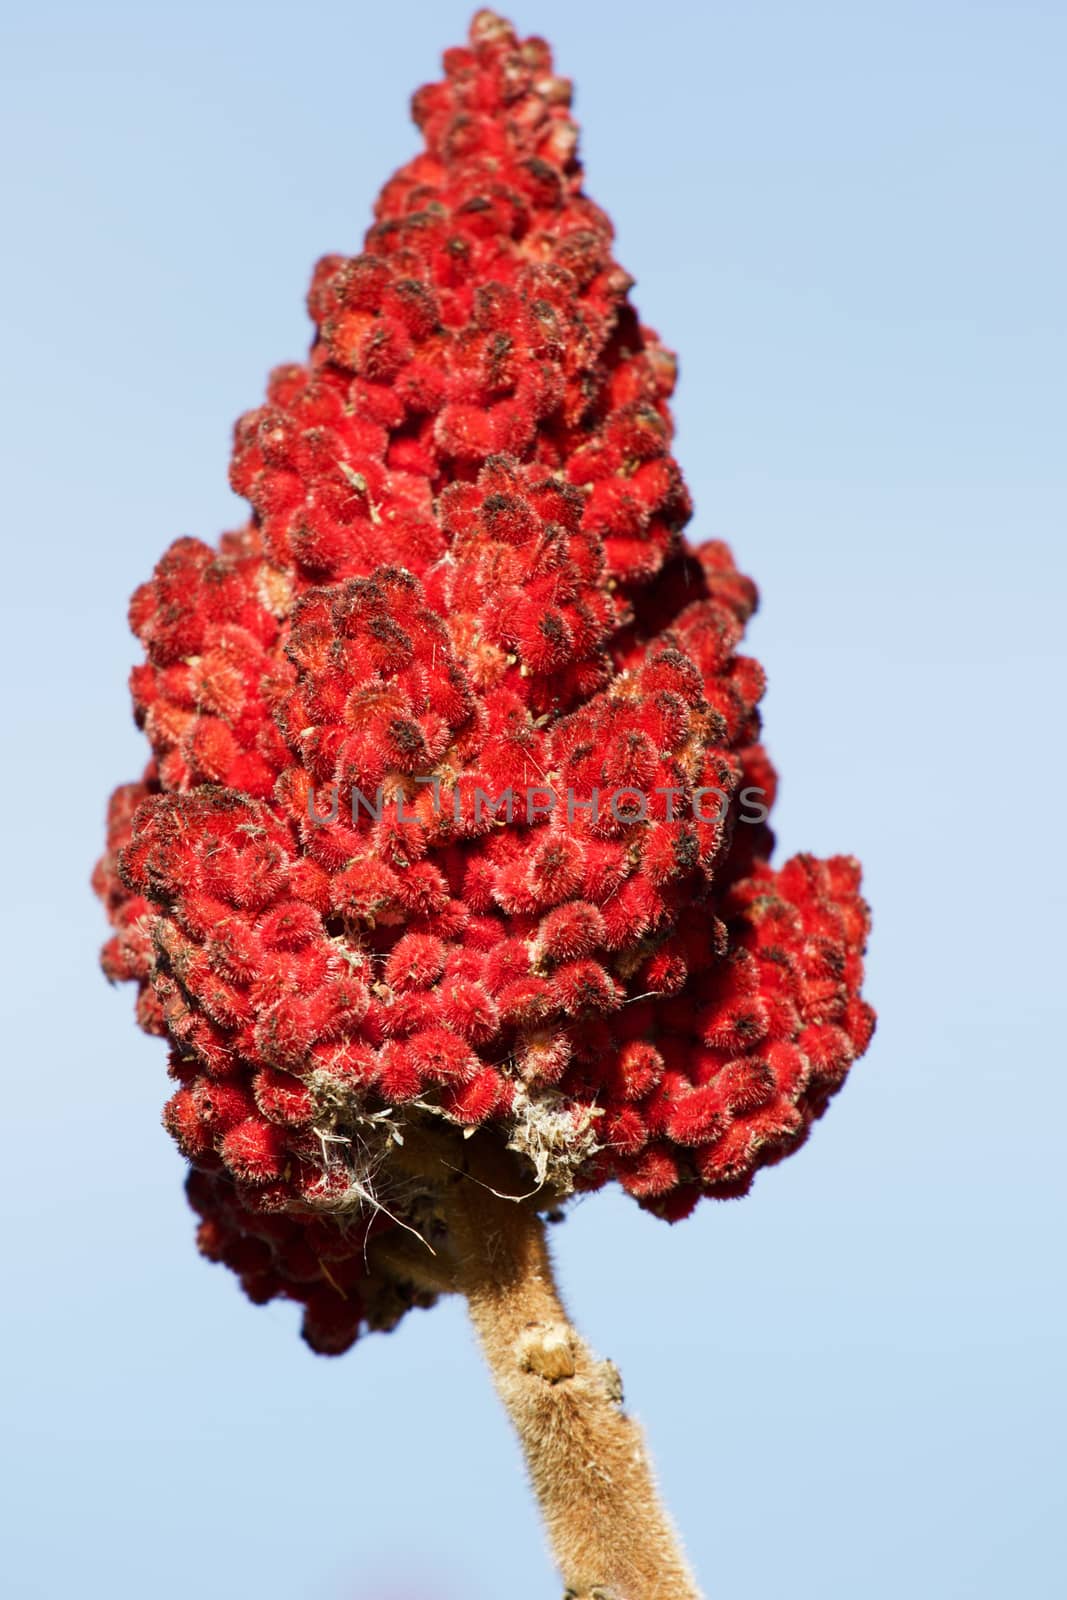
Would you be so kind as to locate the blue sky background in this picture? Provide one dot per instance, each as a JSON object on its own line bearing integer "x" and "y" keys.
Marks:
{"x": 850, "y": 221}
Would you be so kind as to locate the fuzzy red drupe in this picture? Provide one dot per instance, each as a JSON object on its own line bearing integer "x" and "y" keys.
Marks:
{"x": 463, "y": 626}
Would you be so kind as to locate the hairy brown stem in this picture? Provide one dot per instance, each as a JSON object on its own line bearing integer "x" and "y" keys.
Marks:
{"x": 586, "y": 1458}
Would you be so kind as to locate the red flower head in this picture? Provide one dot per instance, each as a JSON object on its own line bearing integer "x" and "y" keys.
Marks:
{"x": 454, "y": 817}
